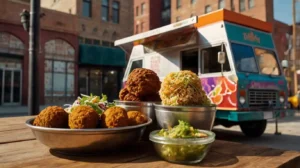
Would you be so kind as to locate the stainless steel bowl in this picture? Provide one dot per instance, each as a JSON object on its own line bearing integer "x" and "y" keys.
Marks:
{"x": 200, "y": 117}
{"x": 144, "y": 107}
{"x": 78, "y": 141}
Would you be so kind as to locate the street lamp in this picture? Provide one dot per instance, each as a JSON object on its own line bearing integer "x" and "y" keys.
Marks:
{"x": 25, "y": 16}
{"x": 31, "y": 24}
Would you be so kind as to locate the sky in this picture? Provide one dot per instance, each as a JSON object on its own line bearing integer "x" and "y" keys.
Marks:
{"x": 283, "y": 10}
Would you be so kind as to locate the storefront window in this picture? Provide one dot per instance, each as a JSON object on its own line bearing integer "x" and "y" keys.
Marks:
{"x": 59, "y": 71}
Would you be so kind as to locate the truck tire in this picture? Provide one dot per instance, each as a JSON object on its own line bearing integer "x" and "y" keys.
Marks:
{"x": 253, "y": 128}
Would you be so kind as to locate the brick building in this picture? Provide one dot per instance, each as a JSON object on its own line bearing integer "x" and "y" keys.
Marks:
{"x": 57, "y": 57}
{"x": 153, "y": 17}
{"x": 100, "y": 23}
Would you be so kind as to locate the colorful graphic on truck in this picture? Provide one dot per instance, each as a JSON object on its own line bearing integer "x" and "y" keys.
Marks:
{"x": 222, "y": 91}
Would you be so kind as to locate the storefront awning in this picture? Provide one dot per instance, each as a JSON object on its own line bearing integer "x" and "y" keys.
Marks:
{"x": 97, "y": 55}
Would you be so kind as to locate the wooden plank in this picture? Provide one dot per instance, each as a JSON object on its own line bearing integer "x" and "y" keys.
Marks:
{"x": 7, "y": 121}
{"x": 29, "y": 153}
{"x": 16, "y": 135}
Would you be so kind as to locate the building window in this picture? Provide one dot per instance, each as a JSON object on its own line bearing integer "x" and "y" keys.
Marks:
{"x": 106, "y": 43}
{"x": 207, "y": 8}
{"x": 232, "y": 5}
{"x": 298, "y": 42}
{"x": 143, "y": 8}
{"x": 87, "y": 8}
{"x": 209, "y": 63}
{"x": 105, "y": 10}
{"x": 116, "y": 12}
{"x": 242, "y": 5}
{"x": 136, "y": 29}
{"x": 96, "y": 42}
{"x": 221, "y": 4}
{"x": 166, "y": 13}
{"x": 193, "y": 1}
{"x": 88, "y": 41}
{"x": 178, "y": 4}
{"x": 137, "y": 11}
{"x": 59, "y": 71}
{"x": 177, "y": 18}
{"x": 81, "y": 40}
{"x": 142, "y": 27}
{"x": 251, "y": 3}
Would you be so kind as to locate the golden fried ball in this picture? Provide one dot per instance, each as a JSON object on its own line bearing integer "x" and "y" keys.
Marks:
{"x": 114, "y": 117}
{"x": 136, "y": 117}
{"x": 83, "y": 117}
{"x": 53, "y": 117}
{"x": 182, "y": 88}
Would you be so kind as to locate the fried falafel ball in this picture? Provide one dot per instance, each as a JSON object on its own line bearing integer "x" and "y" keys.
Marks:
{"x": 152, "y": 98}
{"x": 136, "y": 117}
{"x": 53, "y": 117}
{"x": 124, "y": 95}
{"x": 114, "y": 117}
{"x": 83, "y": 117}
{"x": 183, "y": 88}
{"x": 142, "y": 82}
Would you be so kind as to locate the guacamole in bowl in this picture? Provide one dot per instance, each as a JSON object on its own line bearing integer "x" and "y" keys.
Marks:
{"x": 182, "y": 143}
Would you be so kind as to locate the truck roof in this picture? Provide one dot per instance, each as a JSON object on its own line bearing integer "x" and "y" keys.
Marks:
{"x": 196, "y": 22}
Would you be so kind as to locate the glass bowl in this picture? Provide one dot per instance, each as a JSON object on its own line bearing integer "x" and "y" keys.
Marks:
{"x": 182, "y": 150}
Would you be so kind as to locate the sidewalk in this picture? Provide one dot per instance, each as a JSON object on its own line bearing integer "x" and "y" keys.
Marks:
{"x": 10, "y": 111}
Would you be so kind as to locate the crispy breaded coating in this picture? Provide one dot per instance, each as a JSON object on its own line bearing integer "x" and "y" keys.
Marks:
{"x": 136, "y": 117}
{"x": 183, "y": 88}
{"x": 114, "y": 117}
{"x": 126, "y": 96}
{"x": 142, "y": 82}
{"x": 53, "y": 117}
{"x": 152, "y": 98}
{"x": 83, "y": 117}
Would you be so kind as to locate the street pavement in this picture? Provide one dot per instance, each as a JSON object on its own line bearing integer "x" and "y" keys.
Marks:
{"x": 288, "y": 140}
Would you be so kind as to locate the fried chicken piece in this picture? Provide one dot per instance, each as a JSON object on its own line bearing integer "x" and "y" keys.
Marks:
{"x": 136, "y": 117}
{"x": 124, "y": 95}
{"x": 53, "y": 117}
{"x": 83, "y": 117}
{"x": 152, "y": 98}
{"x": 114, "y": 117}
{"x": 183, "y": 88}
{"x": 142, "y": 82}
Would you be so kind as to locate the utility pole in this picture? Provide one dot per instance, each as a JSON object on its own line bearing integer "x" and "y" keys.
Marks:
{"x": 34, "y": 31}
{"x": 295, "y": 79}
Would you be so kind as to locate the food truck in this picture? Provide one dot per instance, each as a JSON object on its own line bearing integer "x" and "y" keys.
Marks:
{"x": 235, "y": 58}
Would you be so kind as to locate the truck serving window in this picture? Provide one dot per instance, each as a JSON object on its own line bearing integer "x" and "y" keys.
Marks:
{"x": 266, "y": 61}
{"x": 209, "y": 63}
{"x": 244, "y": 58}
{"x": 136, "y": 64}
{"x": 189, "y": 60}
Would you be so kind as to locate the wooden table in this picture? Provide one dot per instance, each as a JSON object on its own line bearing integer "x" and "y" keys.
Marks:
{"x": 18, "y": 148}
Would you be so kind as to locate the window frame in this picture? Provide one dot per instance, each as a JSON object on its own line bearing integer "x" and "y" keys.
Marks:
{"x": 242, "y": 8}
{"x": 116, "y": 10}
{"x": 201, "y": 61}
{"x": 219, "y": 4}
{"x": 141, "y": 58}
{"x": 143, "y": 8}
{"x": 193, "y": 2}
{"x": 178, "y": 4}
{"x": 90, "y": 8}
{"x": 249, "y": 4}
{"x": 206, "y": 7}
{"x": 107, "y": 12}
{"x": 137, "y": 11}
{"x": 199, "y": 57}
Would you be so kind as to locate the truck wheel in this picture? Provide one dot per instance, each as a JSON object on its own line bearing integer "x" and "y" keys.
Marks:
{"x": 253, "y": 128}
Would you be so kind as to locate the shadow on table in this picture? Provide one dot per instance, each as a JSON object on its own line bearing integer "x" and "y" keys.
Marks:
{"x": 267, "y": 140}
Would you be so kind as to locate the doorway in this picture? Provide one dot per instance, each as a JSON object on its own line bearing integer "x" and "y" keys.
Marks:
{"x": 10, "y": 86}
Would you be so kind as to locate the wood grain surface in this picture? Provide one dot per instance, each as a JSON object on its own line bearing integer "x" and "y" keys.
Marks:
{"x": 18, "y": 148}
